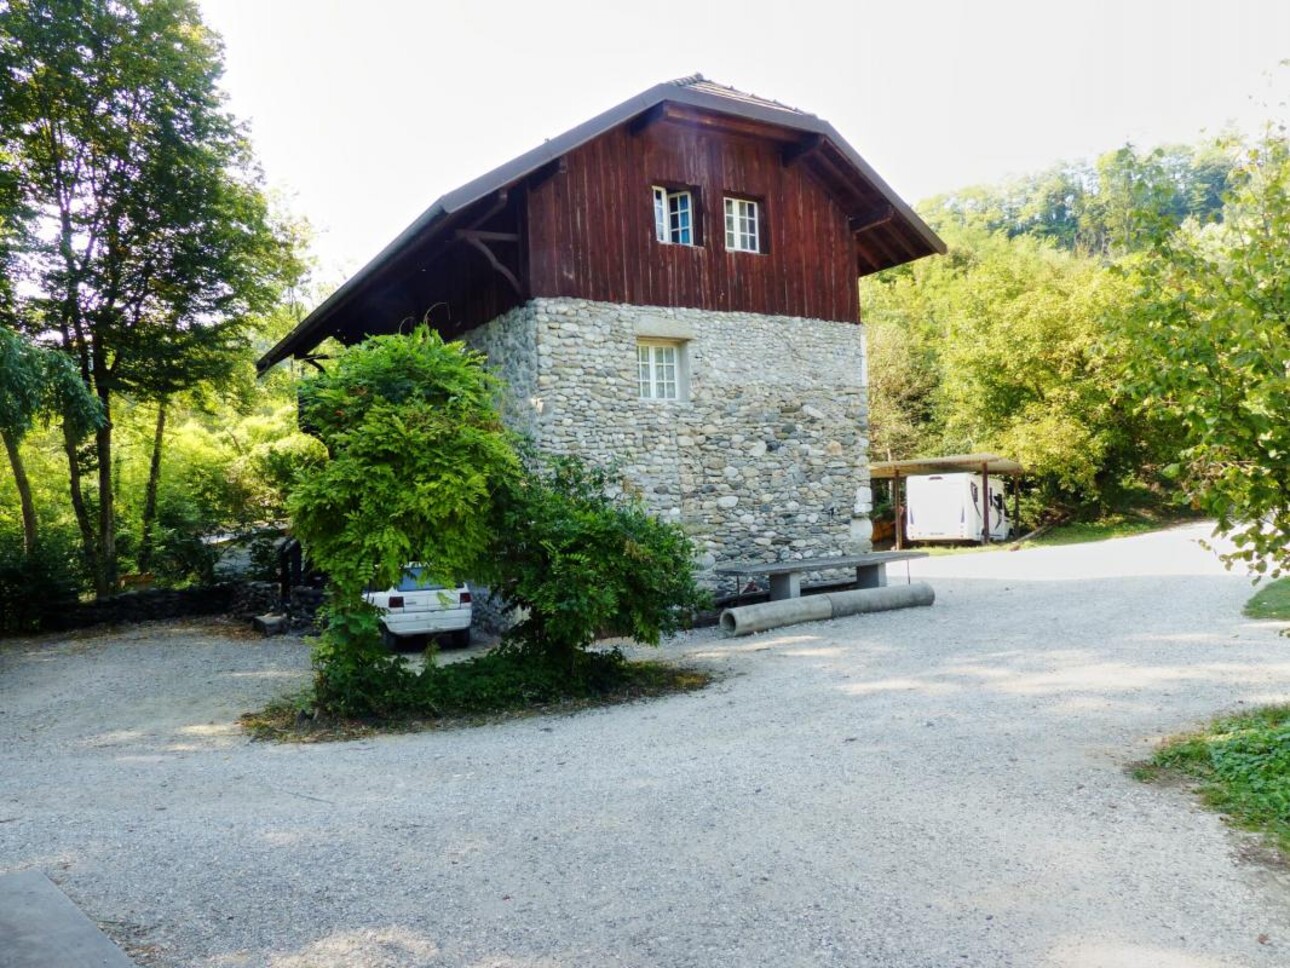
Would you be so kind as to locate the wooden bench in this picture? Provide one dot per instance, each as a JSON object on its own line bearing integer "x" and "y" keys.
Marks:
{"x": 786, "y": 576}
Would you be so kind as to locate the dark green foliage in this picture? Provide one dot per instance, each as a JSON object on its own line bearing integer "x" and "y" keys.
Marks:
{"x": 420, "y": 469}
{"x": 583, "y": 560}
{"x": 380, "y": 686}
{"x": 355, "y": 676}
{"x": 418, "y": 452}
{"x": 36, "y": 587}
{"x": 1243, "y": 763}
{"x": 182, "y": 557}
{"x": 497, "y": 683}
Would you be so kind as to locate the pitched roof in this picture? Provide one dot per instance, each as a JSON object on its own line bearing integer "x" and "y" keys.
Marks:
{"x": 698, "y": 82}
{"x": 913, "y": 238}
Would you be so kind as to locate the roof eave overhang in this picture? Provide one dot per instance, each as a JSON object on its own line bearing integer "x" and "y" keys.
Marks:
{"x": 306, "y": 334}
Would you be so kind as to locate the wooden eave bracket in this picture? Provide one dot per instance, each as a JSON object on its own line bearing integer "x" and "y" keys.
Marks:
{"x": 475, "y": 242}
{"x": 872, "y": 219}
{"x": 479, "y": 239}
{"x": 646, "y": 118}
{"x": 559, "y": 166}
{"x": 313, "y": 358}
{"x": 802, "y": 149}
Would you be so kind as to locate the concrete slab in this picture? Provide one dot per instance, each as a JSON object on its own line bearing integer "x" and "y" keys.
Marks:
{"x": 41, "y": 928}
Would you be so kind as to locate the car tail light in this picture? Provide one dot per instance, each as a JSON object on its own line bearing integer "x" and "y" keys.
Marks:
{"x": 464, "y": 598}
{"x": 396, "y": 601}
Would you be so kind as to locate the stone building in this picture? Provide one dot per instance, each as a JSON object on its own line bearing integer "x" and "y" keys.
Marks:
{"x": 670, "y": 286}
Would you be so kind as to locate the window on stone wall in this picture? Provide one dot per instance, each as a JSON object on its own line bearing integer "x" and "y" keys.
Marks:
{"x": 660, "y": 370}
{"x": 674, "y": 216}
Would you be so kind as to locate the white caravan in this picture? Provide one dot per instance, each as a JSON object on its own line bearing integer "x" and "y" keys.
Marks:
{"x": 947, "y": 507}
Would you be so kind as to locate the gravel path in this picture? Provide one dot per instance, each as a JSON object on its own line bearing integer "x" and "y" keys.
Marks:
{"x": 934, "y": 787}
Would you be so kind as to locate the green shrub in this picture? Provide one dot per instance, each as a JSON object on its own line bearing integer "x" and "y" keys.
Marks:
{"x": 420, "y": 468}
{"x": 355, "y": 676}
{"x": 581, "y": 559}
{"x": 36, "y": 589}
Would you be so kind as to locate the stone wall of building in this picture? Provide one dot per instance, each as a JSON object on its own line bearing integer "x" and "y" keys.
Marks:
{"x": 510, "y": 343}
{"x": 766, "y": 458}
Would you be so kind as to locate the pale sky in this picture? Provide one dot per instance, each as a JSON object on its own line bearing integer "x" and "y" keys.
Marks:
{"x": 365, "y": 111}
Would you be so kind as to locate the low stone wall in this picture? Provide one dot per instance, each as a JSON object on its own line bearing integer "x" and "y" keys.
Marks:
{"x": 146, "y": 606}
{"x": 254, "y": 598}
{"x": 303, "y": 608}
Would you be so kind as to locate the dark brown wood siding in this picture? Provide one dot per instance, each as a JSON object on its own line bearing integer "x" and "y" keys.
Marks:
{"x": 591, "y": 228}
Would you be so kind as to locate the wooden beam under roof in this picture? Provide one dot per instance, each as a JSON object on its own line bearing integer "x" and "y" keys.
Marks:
{"x": 802, "y": 149}
{"x": 727, "y": 123}
{"x": 872, "y": 219}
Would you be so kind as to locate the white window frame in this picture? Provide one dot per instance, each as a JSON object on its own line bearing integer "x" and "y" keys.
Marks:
{"x": 660, "y": 369}
{"x": 673, "y": 216}
{"x": 743, "y": 225}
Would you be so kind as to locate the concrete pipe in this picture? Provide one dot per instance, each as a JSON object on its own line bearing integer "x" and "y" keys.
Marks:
{"x": 880, "y": 599}
{"x": 814, "y": 608}
{"x": 748, "y": 619}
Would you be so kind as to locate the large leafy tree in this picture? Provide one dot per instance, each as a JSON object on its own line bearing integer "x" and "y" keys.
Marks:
{"x": 1108, "y": 207}
{"x": 149, "y": 241}
{"x": 1213, "y": 329}
{"x": 35, "y": 383}
{"x": 1007, "y": 345}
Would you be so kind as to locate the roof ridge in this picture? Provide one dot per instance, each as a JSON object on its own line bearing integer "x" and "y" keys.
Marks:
{"x": 703, "y": 84}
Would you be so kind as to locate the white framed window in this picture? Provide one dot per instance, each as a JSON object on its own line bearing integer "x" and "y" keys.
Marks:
{"x": 743, "y": 228}
{"x": 658, "y": 370}
{"x": 673, "y": 216}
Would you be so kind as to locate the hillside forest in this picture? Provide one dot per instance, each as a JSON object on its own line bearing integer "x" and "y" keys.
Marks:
{"x": 1120, "y": 325}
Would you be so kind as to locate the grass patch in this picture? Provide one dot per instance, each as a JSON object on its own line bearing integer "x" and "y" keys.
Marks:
{"x": 1271, "y": 602}
{"x": 1243, "y": 765}
{"x": 1076, "y": 532}
{"x": 488, "y": 688}
{"x": 1110, "y": 526}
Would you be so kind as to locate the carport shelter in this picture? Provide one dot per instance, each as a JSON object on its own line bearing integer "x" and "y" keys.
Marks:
{"x": 984, "y": 464}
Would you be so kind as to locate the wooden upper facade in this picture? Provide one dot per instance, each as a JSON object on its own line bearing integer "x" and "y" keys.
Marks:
{"x": 635, "y": 206}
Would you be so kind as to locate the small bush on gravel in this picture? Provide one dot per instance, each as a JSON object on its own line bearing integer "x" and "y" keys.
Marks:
{"x": 421, "y": 469}
{"x": 581, "y": 559}
{"x": 1243, "y": 763}
{"x": 498, "y": 683}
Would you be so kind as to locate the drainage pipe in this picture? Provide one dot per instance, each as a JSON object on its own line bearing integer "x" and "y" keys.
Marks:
{"x": 748, "y": 619}
{"x": 881, "y": 599}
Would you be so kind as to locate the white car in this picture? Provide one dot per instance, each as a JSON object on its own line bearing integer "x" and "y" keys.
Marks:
{"x": 415, "y": 611}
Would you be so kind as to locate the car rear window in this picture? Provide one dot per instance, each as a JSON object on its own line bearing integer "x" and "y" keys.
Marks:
{"x": 411, "y": 582}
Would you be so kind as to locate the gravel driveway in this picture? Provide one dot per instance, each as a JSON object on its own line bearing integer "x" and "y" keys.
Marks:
{"x": 934, "y": 787}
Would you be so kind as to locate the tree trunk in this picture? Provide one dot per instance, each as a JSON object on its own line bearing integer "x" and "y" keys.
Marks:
{"x": 105, "y": 580}
{"x": 150, "y": 496}
{"x": 24, "y": 493}
{"x": 89, "y": 543}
